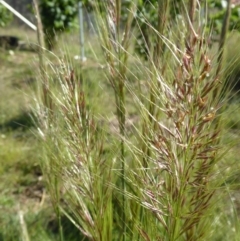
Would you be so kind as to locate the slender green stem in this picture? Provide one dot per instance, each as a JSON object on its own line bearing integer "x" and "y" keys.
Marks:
{"x": 57, "y": 209}
{"x": 223, "y": 36}
{"x": 163, "y": 12}
{"x": 122, "y": 155}
{"x": 121, "y": 117}
{"x": 192, "y": 7}
{"x": 60, "y": 225}
{"x": 40, "y": 37}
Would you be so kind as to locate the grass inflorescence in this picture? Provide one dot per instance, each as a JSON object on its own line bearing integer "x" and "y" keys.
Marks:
{"x": 160, "y": 178}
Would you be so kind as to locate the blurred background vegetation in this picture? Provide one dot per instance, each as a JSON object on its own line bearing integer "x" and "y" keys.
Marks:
{"x": 24, "y": 202}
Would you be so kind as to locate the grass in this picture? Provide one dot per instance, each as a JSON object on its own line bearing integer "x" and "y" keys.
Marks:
{"x": 163, "y": 181}
{"x": 22, "y": 187}
{"x": 82, "y": 159}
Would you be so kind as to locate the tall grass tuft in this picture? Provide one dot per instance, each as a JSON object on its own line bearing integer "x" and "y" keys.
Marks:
{"x": 115, "y": 47}
{"x": 161, "y": 179}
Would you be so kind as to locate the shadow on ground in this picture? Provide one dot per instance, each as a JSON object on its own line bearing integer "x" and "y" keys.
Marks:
{"x": 23, "y": 122}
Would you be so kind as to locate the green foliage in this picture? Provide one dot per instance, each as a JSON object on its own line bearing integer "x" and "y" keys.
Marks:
{"x": 147, "y": 15}
{"x": 216, "y": 15}
{"x": 57, "y": 16}
{"x": 5, "y": 16}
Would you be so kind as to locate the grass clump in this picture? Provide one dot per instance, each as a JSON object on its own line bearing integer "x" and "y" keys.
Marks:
{"x": 161, "y": 179}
